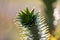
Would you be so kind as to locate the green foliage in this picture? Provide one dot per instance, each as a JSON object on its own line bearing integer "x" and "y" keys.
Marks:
{"x": 49, "y": 13}
{"x": 26, "y": 17}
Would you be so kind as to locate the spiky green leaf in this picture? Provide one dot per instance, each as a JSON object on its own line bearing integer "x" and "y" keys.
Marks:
{"x": 26, "y": 17}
